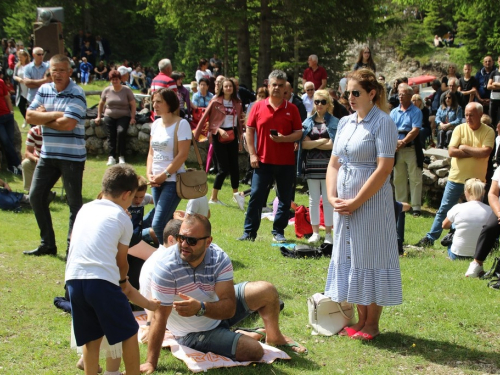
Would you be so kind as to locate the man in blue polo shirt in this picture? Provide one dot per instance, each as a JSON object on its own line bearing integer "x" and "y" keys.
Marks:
{"x": 200, "y": 303}
{"x": 34, "y": 73}
{"x": 60, "y": 108}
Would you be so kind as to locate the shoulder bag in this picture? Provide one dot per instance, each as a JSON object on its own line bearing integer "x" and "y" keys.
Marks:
{"x": 328, "y": 317}
{"x": 230, "y": 133}
{"x": 193, "y": 183}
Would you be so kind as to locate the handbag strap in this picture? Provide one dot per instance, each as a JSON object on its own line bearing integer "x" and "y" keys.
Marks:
{"x": 193, "y": 142}
{"x": 343, "y": 313}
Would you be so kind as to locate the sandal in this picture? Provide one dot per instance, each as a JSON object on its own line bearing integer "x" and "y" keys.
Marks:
{"x": 258, "y": 330}
{"x": 293, "y": 344}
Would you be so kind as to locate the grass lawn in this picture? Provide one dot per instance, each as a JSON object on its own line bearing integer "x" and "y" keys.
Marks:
{"x": 447, "y": 324}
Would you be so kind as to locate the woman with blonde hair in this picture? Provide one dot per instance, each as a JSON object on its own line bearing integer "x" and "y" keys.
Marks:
{"x": 468, "y": 220}
{"x": 318, "y": 134}
{"x": 364, "y": 268}
{"x": 18, "y": 76}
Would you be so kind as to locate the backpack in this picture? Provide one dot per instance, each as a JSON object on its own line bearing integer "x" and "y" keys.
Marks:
{"x": 10, "y": 200}
{"x": 302, "y": 222}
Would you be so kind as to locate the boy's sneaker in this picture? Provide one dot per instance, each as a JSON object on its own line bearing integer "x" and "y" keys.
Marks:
{"x": 328, "y": 239}
{"x": 111, "y": 161}
{"x": 425, "y": 242}
{"x": 475, "y": 270}
{"x": 239, "y": 200}
{"x": 314, "y": 238}
{"x": 121, "y": 160}
{"x": 279, "y": 238}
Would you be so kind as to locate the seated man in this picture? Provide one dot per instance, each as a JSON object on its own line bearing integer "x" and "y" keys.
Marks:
{"x": 138, "y": 78}
{"x": 199, "y": 302}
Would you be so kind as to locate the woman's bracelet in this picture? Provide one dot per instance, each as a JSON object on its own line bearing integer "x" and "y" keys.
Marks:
{"x": 122, "y": 281}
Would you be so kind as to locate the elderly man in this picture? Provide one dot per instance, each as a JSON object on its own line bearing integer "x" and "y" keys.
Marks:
{"x": 60, "y": 108}
{"x": 308, "y": 97}
{"x": 315, "y": 73}
{"x": 294, "y": 99}
{"x": 125, "y": 75}
{"x": 277, "y": 125}
{"x": 164, "y": 79}
{"x": 34, "y": 73}
{"x": 453, "y": 87}
{"x": 409, "y": 156}
{"x": 482, "y": 78}
{"x": 469, "y": 149}
{"x": 200, "y": 311}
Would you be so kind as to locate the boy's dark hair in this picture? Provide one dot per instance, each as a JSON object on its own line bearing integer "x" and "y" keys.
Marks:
{"x": 172, "y": 228}
{"x": 143, "y": 184}
{"x": 118, "y": 179}
{"x": 204, "y": 80}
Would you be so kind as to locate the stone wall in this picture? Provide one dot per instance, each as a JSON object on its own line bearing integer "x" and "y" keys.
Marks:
{"x": 435, "y": 175}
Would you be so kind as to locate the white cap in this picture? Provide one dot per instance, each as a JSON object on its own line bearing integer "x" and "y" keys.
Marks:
{"x": 124, "y": 70}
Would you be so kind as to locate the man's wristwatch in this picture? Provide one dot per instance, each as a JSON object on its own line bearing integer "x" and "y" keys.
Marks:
{"x": 201, "y": 311}
{"x": 167, "y": 174}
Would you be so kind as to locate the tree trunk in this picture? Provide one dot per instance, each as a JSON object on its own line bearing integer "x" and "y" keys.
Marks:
{"x": 244, "y": 66}
{"x": 296, "y": 59}
{"x": 226, "y": 49}
{"x": 264, "y": 67}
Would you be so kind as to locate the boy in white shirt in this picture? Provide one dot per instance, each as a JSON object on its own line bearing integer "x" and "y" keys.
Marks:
{"x": 96, "y": 271}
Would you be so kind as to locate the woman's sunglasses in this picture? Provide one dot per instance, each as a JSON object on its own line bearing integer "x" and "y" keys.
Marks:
{"x": 354, "y": 93}
{"x": 318, "y": 102}
{"x": 191, "y": 241}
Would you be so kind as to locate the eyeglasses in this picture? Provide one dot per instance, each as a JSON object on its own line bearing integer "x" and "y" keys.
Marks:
{"x": 354, "y": 93}
{"x": 318, "y": 102}
{"x": 191, "y": 241}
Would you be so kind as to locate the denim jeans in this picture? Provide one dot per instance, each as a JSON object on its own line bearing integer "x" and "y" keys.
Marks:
{"x": 47, "y": 172}
{"x": 166, "y": 201}
{"x": 284, "y": 175}
{"x": 452, "y": 193}
{"x": 7, "y": 139}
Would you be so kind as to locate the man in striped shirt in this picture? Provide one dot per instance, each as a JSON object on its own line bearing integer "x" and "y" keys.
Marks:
{"x": 164, "y": 79}
{"x": 199, "y": 302}
{"x": 60, "y": 108}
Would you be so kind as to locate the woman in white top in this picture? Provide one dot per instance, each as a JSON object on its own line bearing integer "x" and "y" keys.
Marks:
{"x": 163, "y": 165}
{"x": 468, "y": 219}
{"x": 22, "y": 89}
{"x": 203, "y": 71}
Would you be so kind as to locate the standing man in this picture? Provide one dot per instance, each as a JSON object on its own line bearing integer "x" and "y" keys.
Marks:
{"x": 60, "y": 108}
{"x": 315, "y": 73}
{"x": 308, "y": 97}
{"x": 469, "y": 149}
{"x": 294, "y": 99}
{"x": 34, "y": 74}
{"x": 277, "y": 125}
{"x": 494, "y": 87}
{"x": 164, "y": 79}
{"x": 482, "y": 78}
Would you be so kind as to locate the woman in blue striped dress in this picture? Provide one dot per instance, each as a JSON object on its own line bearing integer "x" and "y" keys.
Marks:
{"x": 364, "y": 268}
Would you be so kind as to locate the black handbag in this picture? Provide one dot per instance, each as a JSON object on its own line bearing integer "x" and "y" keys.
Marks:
{"x": 448, "y": 239}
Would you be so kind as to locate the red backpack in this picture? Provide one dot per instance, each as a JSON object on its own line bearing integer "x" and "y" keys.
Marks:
{"x": 302, "y": 222}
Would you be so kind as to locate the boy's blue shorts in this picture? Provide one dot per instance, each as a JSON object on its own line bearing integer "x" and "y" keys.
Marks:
{"x": 100, "y": 308}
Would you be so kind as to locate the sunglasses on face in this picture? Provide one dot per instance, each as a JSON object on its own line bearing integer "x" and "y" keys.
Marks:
{"x": 318, "y": 102}
{"x": 191, "y": 241}
{"x": 354, "y": 93}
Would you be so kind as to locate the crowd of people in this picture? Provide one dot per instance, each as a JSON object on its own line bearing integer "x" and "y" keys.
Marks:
{"x": 345, "y": 143}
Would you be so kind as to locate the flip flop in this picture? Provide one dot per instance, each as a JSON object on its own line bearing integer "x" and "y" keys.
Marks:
{"x": 293, "y": 344}
{"x": 349, "y": 331}
{"x": 258, "y": 330}
{"x": 363, "y": 336}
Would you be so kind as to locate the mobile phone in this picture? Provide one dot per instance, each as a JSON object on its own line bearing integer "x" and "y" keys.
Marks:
{"x": 274, "y": 132}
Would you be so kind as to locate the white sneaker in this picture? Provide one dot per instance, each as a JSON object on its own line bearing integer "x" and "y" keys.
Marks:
{"x": 24, "y": 124}
{"x": 217, "y": 202}
{"x": 314, "y": 238}
{"x": 122, "y": 160}
{"x": 475, "y": 270}
{"x": 111, "y": 161}
{"x": 328, "y": 239}
{"x": 240, "y": 200}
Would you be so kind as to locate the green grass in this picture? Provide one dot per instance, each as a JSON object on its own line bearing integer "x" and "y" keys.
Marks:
{"x": 447, "y": 324}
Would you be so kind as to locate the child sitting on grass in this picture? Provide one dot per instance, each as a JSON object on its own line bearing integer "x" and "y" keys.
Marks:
{"x": 96, "y": 272}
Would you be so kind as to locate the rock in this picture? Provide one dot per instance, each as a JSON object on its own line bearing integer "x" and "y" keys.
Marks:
{"x": 100, "y": 131}
{"x": 88, "y": 123}
{"x": 442, "y": 182}
{"x": 132, "y": 131}
{"x": 439, "y": 164}
{"x": 89, "y": 131}
{"x": 441, "y": 172}
{"x": 413, "y": 69}
{"x": 143, "y": 136}
{"x": 134, "y": 145}
{"x": 437, "y": 153}
{"x": 138, "y": 126}
{"x": 428, "y": 178}
{"x": 146, "y": 128}
{"x": 94, "y": 144}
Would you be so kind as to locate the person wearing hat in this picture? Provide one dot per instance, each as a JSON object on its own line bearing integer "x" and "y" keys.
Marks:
{"x": 125, "y": 74}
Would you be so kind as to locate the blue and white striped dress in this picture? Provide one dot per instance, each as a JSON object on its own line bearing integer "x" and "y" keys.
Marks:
{"x": 364, "y": 268}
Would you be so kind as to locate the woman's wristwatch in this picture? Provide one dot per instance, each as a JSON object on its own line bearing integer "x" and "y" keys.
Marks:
{"x": 167, "y": 174}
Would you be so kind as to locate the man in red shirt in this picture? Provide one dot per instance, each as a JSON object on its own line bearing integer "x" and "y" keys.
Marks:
{"x": 163, "y": 79}
{"x": 277, "y": 125}
{"x": 315, "y": 73}
{"x": 7, "y": 130}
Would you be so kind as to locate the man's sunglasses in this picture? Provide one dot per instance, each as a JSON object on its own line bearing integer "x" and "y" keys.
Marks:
{"x": 354, "y": 93}
{"x": 191, "y": 241}
{"x": 318, "y": 102}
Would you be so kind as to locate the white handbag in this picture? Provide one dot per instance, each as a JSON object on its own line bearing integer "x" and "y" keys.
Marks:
{"x": 328, "y": 317}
